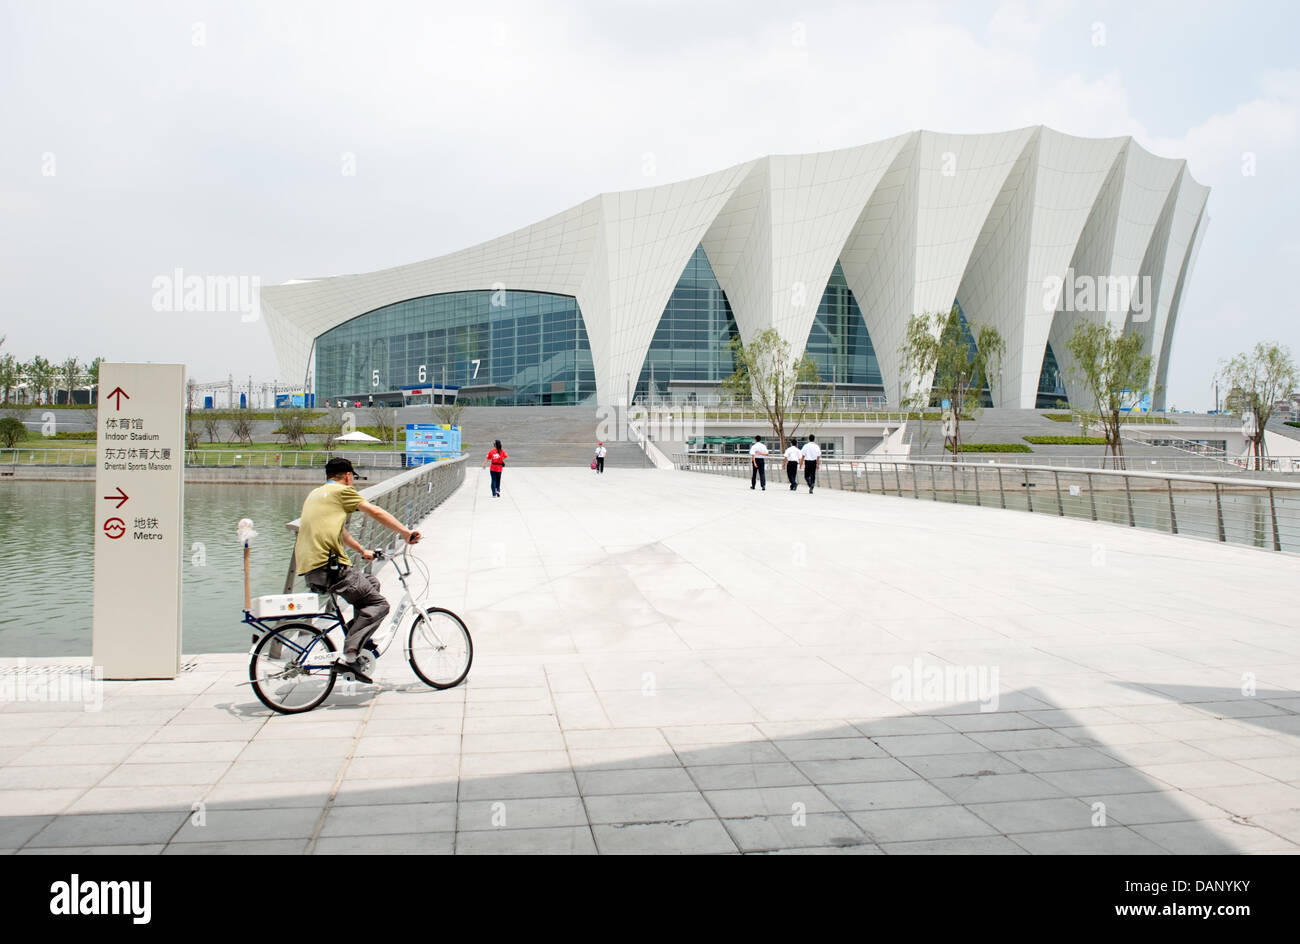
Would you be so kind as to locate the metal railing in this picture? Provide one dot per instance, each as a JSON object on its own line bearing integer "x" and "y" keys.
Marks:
{"x": 408, "y": 496}
{"x": 213, "y": 458}
{"x": 1098, "y": 460}
{"x": 258, "y": 458}
{"x": 1190, "y": 446}
{"x": 742, "y": 415}
{"x": 714, "y": 401}
{"x": 16, "y": 456}
{"x": 1260, "y": 513}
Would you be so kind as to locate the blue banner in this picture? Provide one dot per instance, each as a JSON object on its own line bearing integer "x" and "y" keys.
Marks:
{"x": 426, "y": 442}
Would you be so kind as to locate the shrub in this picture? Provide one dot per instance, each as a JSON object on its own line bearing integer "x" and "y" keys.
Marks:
{"x": 1066, "y": 440}
{"x": 1058, "y": 417}
{"x": 991, "y": 447}
{"x": 12, "y": 431}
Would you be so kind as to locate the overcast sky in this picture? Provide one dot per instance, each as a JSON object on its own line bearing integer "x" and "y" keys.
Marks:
{"x": 139, "y": 138}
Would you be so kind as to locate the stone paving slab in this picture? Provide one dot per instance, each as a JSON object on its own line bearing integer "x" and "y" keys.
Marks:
{"x": 669, "y": 663}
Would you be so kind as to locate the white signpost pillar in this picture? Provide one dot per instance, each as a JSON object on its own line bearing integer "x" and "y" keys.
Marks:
{"x": 139, "y": 495}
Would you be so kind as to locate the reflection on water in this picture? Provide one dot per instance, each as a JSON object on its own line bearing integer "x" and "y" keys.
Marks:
{"x": 46, "y": 547}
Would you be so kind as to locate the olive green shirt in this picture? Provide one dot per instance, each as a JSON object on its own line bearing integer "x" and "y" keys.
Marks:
{"x": 320, "y": 529}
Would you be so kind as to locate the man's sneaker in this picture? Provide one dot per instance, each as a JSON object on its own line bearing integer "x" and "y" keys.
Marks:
{"x": 354, "y": 669}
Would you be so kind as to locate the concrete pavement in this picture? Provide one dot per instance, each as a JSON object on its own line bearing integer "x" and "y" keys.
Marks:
{"x": 670, "y": 662}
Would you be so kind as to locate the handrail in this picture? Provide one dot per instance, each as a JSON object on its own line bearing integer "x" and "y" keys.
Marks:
{"x": 200, "y": 458}
{"x": 1072, "y": 462}
{"x": 1256, "y": 512}
{"x": 743, "y": 460}
{"x": 408, "y": 496}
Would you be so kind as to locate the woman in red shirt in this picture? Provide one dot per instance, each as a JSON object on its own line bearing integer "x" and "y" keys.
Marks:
{"x": 497, "y": 458}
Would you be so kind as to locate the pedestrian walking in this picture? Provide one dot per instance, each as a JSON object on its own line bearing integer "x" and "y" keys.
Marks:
{"x": 811, "y": 453}
{"x": 600, "y": 458}
{"x": 792, "y": 457}
{"x": 758, "y": 459}
{"x": 496, "y": 458}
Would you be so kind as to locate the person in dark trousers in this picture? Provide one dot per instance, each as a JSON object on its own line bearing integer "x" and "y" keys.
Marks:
{"x": 811, "y": 454}
{"x": 758, "y": 459}
{"x": 323, "y": 562}
{"x": 792, "y": 457}
{"x": 600, "y": 458}
{"x": 496, "y": 457}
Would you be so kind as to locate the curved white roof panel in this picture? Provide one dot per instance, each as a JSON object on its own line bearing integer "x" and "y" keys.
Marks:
{"x": 916, "y": 221}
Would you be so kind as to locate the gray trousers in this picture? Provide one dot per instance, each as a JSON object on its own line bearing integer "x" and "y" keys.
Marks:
{"x": 362, "y": 591}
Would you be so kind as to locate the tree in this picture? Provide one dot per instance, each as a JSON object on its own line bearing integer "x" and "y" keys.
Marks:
{"x": 69, "y": 374}
{"x": 1109, "y": 365}
{"x": 448, "y": 414}
{"x": 10, "y": 374}
{"x": 1260, "y": 378}
{"x": 12, "y": 431}
{"x": 293, "y": 427}
{"x": 385, "y": 418}
{"x": 241, "y": 427}
{"x": 936, "y": 346}
{"x": 92, "y": 378}
{"x": 40, "y": 377}
{"x": 191, "y": 434}
{"x": 211, "y": 425}
{"x": 768, "y": 374}
{"x": 333, "y": 424}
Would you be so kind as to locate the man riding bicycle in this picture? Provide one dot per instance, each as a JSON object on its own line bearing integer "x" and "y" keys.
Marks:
{"x": 321, "y": 538}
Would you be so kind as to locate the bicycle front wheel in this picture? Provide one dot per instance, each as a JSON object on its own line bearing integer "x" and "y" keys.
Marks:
{"x": 292, "y": 668}
{"x": 439, "y": 649}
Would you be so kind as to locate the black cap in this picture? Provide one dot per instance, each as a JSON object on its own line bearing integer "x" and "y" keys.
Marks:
{"x": 337, "y": 466}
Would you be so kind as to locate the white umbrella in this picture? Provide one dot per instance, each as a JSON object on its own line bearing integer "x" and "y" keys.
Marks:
{"x": 357, "y": 436}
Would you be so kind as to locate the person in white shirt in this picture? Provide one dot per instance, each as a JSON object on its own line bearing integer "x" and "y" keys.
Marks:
{"x": 792, "y": 457}
{"x": 811, "y": 453}
{"x": 600, "y": 458}
{"x": 758, "y": 459}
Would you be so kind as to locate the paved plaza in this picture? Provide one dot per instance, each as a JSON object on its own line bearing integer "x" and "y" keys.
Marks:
{"x": 671, "y": 662}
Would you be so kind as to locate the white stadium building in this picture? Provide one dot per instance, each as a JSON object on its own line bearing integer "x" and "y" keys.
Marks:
{"x": 1027, "y": 230}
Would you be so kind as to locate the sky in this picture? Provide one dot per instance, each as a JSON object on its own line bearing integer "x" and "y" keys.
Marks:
{"x": 279, "y": 140}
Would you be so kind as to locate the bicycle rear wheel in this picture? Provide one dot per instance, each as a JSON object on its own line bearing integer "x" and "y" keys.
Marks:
{"x": 439, "y": 648}
{"x": 292, "y": 668}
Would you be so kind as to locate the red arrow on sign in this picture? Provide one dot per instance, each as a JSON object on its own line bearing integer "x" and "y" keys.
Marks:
{"x": 120, "y": 497}
{"x": 119, "y": 393}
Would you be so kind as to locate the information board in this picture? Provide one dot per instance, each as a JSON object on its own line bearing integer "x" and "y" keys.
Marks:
{"x": 139, "y": 496}
{"x": 428, "y": 442}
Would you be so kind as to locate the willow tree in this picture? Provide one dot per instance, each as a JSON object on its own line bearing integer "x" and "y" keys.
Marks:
{"x": 936, "y": 345}
{"x": 1261, "y": 378}
{"x": 1110, "y": 366}
{"x": 769, "y": 374}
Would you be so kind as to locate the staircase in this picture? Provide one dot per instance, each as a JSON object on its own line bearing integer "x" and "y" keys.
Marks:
{"x": 543, "y": 436}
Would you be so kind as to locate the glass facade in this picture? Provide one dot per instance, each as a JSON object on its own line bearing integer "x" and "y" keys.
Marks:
{"x": 691, "y": 341}
{"x": 838, "y": 342}
{"x": 533, "y": 343}
{"x": 1051, "y": 387}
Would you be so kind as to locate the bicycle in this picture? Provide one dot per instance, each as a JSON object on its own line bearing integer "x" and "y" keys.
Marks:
{"x": 292, "y": 667}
